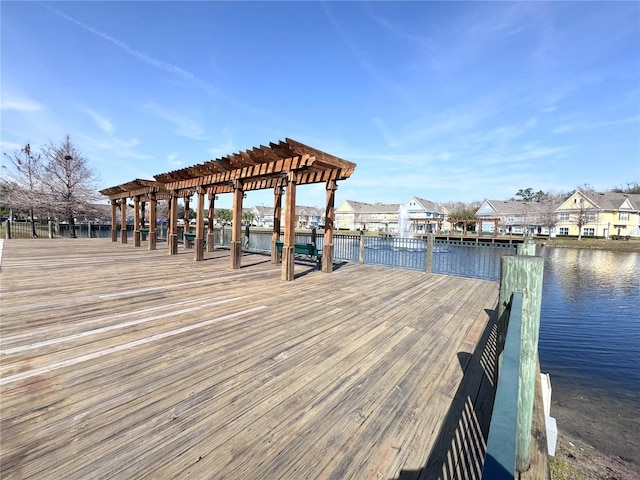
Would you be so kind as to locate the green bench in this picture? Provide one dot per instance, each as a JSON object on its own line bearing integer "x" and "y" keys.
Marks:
{"x": 308, "y": 249}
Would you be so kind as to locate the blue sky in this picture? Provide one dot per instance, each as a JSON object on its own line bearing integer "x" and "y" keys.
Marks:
{"x": 449, "y": 101}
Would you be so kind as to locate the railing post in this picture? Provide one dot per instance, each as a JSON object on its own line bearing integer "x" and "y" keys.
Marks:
{"x": 7, "y": 232}
{"x": 523, "y": 274}
{"x": 429, "y": 259}
{"x": 527, "y": 248}
{"x": 50, "y": 228}
{"x": 361, "y": 248}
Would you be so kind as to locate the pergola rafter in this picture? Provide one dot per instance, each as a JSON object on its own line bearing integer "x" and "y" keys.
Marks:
{"x": 280, "y": 166}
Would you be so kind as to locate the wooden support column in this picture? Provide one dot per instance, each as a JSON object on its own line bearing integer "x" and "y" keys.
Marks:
{"x": 210, "y": 217}
{"x": 199, "y": 241}
{"x": 288, "y": 249}
{"x": 136, "y": 221}
{"x": 123, "y": 220}
{"x": 185, "y": 221}
{"x": 495, "y": 227}
{"x": 172, "y": 238}
{"x": 276, "y": 257}
{"x": 330, "y": 213}
{"x": 522, "y": 273}
{"x": 153, "y": 221}
{"x": 236, "y": 228}
{"x": 114, "y": 211}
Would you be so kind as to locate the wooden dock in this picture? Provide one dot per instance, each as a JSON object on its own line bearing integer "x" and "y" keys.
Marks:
{"x": 120, "y": 362}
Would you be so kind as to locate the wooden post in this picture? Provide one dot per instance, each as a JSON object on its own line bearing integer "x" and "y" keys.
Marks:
{"x": 199, "y": 241}
{"x": 88, "y": 229}
{"x": 526, "y": 248}
{"x": 153, "y": 221}
{"x": 136, "y": 221}
{"x": 51, "y": 230}
{"x": 288, "y": 249}
{"x": 185, "y": 221}
{"x": 172, "y": 238}
{"x": 361, "y": 248}
{"x": 236, "y": 227}
{"x": 210, "y": 217}
{"x": 276, "y": 257}
{"x": 123, "y": 220}
{"x": 114, "y": 225}
{"x": 429, "y": 259}
{"x": 523, "y": 274}
{"x": 7, "y": 232}
{"x": 329, "y": 216}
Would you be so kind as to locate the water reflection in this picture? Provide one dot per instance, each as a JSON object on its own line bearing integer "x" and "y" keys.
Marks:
{"x": 590, "y": 319}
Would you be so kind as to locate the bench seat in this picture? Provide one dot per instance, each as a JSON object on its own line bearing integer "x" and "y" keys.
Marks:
{"x": 308, "y": 249}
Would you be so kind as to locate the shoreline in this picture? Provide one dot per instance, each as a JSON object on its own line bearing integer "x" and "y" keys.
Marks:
{"x": 591, "y": 243}
{"x": 598, "y": 434}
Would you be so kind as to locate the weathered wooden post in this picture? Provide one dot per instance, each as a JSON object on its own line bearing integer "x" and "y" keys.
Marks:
{"x": 429, "y": 259}
{"x": 136, "y": 221}
{"x": 185, "y": 221}
{"x": 523, "y": 274}
{"x": 50, "y": 228}
{"x": 276, "y": 257}
{"x": 198, "y": 244}
{"x": 528, "y": 247}
{"x": 210, "y": 217}
{"x": 123, "y": 220}
{"x": 361, "y": 248}
{"x": 288, "y": 248}
{"x": 7, "y": 232}
{"x": 153, "y": 221}
{"x": 236, "y": 227}
{"x": 329, "y": 216}
{"x": 172, "y": 237}
{"x": 114, "y": 221}
{"x": 88, "y": 229}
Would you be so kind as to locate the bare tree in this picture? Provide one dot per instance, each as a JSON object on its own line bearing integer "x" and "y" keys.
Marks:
{"x": 547, "y": 216}
{"x": 70, "y": 184}
{"x": 24, "y": 184}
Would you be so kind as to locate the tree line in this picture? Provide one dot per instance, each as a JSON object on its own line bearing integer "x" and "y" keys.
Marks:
{"x": 54, "y": 182}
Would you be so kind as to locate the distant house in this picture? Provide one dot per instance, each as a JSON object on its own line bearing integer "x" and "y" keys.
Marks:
{"x": 262, "y": 216}
{"x": 418, "y": 215}
{"x": 600, "y": 214}
{"x": 514, "y": 216}
{"x": 306, "y": 217}
{"x": 352, "y": 215}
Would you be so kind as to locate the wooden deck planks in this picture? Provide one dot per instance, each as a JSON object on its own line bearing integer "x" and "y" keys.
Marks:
{"x": 344, "y": 375}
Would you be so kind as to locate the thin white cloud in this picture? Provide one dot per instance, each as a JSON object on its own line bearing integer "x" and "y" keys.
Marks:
{"x": 172, "y": 159}
{"x": 102, "y": 123}
{"x": 184, "y": 125}
{"x": 226, "y": 145}
{"x": 165, "y": 66}
{"x": 20, "y": 104}
{"x": 590, "y": 125}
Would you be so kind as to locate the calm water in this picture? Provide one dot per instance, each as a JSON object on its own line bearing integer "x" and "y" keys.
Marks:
{"x": 590, "y": 319}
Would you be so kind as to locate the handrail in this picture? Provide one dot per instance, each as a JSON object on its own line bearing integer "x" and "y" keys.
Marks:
{"x": 500, "y": 457}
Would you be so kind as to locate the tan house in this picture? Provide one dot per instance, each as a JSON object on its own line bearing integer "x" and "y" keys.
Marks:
{"x": 516, "y": 216}
{"x": 605, "y": 215}
{"x": 352, "y": 215}
{"x": 306, "y": 217}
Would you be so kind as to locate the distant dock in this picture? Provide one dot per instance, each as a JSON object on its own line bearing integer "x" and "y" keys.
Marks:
{"x": 122, "y": 362}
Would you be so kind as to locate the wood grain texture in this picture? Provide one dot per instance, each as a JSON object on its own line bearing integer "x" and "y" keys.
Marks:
{"x": 123, "y": 362}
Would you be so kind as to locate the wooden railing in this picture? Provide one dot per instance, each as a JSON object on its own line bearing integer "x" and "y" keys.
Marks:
{"x": 509, "y": 442}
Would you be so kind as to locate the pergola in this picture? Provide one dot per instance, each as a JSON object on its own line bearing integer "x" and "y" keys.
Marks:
{"x": 281, "y": 166}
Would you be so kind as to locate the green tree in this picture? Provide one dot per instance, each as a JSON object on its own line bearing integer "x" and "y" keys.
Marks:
{"x": 248, "y": 217}
{"x": 529, "y": 195}
{"x": 224, "y": 215}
